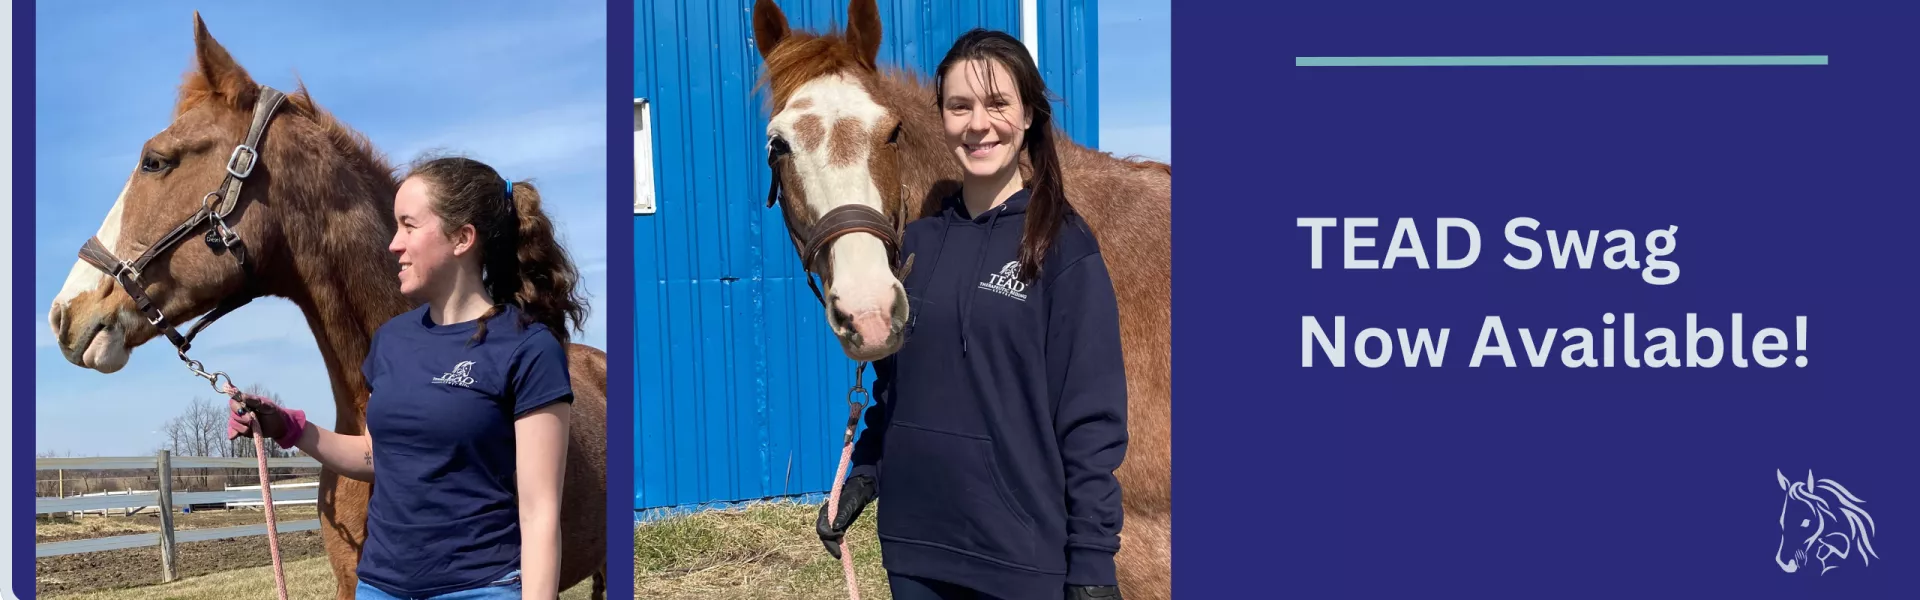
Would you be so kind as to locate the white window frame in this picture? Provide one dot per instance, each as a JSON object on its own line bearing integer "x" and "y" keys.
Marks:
{"x": 1030, "y": 28}
{"x": 643, "y": 200}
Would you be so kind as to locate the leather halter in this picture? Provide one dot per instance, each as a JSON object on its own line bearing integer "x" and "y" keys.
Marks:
{"x": 811, "y": 240}
{"x": 215, "y": 207}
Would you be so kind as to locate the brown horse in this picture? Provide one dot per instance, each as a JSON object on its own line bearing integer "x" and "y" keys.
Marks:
{"x": 316, "y": 218}
{"x": 828, "y": 85}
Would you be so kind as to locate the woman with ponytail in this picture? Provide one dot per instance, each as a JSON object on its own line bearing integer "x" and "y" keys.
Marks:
{"x": 467, "y": 422}
{"x": 998, "y": 425}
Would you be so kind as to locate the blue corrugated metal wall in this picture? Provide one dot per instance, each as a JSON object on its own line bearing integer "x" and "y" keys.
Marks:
{"x": 740, "y": 388}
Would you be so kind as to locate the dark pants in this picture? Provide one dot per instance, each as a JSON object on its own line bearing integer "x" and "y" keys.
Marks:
{"x": 914, "y": 588}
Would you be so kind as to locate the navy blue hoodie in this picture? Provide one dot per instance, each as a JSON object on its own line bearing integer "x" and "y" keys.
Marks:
{"x": 997, "y": 427}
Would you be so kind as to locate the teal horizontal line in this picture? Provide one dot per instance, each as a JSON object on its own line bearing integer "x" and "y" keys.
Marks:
{"x": 1556, "y": 61}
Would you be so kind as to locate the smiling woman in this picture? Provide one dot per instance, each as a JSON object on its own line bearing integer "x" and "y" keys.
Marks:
{"x": 953, "y": 229}
{"x": 444, "y": 303}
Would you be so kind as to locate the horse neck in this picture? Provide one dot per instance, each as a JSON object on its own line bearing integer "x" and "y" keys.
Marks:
{"x": 342, "y": 277}
{"x": 927, "y": 168}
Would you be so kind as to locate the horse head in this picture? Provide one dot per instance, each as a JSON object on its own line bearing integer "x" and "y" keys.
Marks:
{"x": 1818, "y": 533}
{"x": 181, "y": 171}
{"x": 833, "y": 143}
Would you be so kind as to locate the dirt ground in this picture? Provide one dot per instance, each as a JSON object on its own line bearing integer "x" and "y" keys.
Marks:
{"x": 135, "y": 567}
{"x": 132, "y": 567}
{"x": 230, "y": 568}
{"x": 306, "y": 579}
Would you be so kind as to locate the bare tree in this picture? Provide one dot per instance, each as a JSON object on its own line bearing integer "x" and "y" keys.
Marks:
{"x": 200, "y": 430}
{"x": 175, "y": 431}
{"x": 209, "y": 427}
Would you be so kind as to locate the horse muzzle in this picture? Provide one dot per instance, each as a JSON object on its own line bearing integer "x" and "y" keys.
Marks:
{"x": 1793, "y": 564}
{"x": 91, "y": 338}
{"x": 869, "y": 330}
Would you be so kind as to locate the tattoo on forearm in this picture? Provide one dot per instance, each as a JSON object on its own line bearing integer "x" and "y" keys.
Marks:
{"x": 369, "y": 458}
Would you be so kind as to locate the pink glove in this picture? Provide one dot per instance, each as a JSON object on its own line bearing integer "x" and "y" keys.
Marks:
{"x": 283, "y": 425}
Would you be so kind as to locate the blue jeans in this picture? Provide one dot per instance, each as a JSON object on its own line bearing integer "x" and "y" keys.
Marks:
{"x": 507, "y": 588}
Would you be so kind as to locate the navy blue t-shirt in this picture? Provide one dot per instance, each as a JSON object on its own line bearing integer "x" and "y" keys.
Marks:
{"x": 444, "y": 515}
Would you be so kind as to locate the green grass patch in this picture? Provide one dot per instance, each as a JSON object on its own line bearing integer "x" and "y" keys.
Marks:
{"x": 766, "y": 550}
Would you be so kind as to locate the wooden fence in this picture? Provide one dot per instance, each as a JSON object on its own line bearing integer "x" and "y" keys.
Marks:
{"x": 166, "y": 499}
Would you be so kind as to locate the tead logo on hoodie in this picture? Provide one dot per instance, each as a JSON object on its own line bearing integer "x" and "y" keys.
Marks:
{"x": 1007, "y": 282}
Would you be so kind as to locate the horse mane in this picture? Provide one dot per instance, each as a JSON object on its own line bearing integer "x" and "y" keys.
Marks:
{"x": 351, "y": 144}
{"x": 1860, "y": 524}
{"x": 804, "y": 56}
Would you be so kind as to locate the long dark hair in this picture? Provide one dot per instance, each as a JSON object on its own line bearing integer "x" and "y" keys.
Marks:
{"x": 521, "y": 261}
{"x": 1047, "y": 207}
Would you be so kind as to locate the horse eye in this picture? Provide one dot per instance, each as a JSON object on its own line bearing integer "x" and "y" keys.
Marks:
{"x": 153, "y": 163}
{"x": 777, "y": 147}
{"x": 1804, "y": 522}
{"x": 895, "y": 136}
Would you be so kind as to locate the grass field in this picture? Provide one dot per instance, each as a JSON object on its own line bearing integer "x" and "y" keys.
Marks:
{"x": 767, "y": 550}
{"x": 231, "y": 568}
{"x": 764, "y": 551}
{"x": 310, "y": 578}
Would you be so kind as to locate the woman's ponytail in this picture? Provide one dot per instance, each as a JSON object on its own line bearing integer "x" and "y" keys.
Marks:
{"x": 547, "y": 278}
{"x": 522, "y": 261}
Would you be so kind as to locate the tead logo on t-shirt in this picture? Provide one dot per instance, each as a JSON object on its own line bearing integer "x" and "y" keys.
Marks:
{"x": 1007, "y": 282}
{"x": 460, "y": 375}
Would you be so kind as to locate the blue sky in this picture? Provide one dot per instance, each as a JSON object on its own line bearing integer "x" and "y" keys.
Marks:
{"x": 518, "y": 85}
{"x": 1136, "y": 77}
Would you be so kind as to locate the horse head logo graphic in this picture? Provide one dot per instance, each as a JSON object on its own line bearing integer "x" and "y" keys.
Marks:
{"x": 1012, "y": 269}
{"x": 464, "y": 369}
{"x": 1825, "y": 522}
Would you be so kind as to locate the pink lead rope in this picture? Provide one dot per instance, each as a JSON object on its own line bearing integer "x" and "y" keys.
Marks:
{"x": 833, "y": 511}
{"x": 840, "y": 476}
{"x": 273, "y": 526}
{"x": 266, "y": 500}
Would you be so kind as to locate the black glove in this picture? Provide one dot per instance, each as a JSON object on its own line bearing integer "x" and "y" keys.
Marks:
{"x": 1093, "y": 592}
{"x": 854, "y": 497}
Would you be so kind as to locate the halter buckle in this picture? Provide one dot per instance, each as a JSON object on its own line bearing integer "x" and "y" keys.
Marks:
{"x": 227, "y": 236}
{"x": 157, "y": 317}
{"x": 234, "y": 160}
{"x": 124, "y": 268}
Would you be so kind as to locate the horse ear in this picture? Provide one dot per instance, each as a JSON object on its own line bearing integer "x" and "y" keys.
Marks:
{"x": 1782, "y": 477}
{"x": 863, "y": 30}
{"x": 1809, "y": 480}
{"x": 216, "y": 71}
{"x": 769, "y": 26}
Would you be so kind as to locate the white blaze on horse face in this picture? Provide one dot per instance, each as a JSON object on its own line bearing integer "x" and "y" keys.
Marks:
{"x": 84, "y": 278}
{"x": 105, "y": 351}
{"x": 833, "y": 172}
